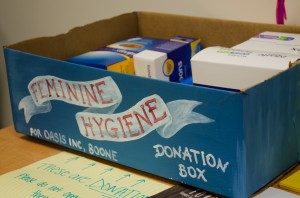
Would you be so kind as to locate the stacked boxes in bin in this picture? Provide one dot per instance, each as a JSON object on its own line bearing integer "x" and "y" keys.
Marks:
{"x": 227, "y": 142}
{"x": 248, "y": 63}
{"x": 148, "y": 57}
{"x": 237, "y": 69}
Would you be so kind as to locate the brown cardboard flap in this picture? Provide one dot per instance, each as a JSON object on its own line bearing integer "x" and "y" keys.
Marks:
{"x": 213, "y": 32}
{"x": 82, "y": 39}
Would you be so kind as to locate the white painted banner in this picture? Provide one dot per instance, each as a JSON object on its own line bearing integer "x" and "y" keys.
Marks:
{"x": 149, "y": 114}
{"x": 102, "y": 97}
{"x": 101, "y": 93}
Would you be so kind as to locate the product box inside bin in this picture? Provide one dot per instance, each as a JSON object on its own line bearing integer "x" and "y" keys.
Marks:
{"x": 228, "y": 142}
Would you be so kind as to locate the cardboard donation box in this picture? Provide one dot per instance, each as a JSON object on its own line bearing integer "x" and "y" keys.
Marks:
{"x": 228, "y": 142}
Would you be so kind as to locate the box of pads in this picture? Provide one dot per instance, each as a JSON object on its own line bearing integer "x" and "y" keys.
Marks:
{"x": 237, "y": 69}
{"x": 168, "y": 61}
{"x": 116, "y": 57}
{"x": 273, "y": 42}
{"x": 108, "y": 59}
{"x": 228, "y": 142}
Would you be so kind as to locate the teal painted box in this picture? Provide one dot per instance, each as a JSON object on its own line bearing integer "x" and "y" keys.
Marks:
{"x": 227, "y": 142}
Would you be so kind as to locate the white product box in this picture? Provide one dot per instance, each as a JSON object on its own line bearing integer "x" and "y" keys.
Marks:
{"x": 237, "y": 69}
{"x": 273, "y": 42}
{"x": 149, "y": 64}
{"x": 168, "y": 61}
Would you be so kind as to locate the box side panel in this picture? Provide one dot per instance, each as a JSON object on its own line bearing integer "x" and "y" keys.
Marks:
{"x": 180, "y": 132}
{"x": 82, "y": 39}
{"x": 10, "y": 78}
{"x": 213, "y": 32}
{"x": 297, "y": 118}
{"x": 270, "y": 133}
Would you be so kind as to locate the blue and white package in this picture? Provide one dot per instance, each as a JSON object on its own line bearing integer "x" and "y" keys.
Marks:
{"x": 169, "y": 61}
{"x": 116, "y": 57}
{"x": 108, "y": 59}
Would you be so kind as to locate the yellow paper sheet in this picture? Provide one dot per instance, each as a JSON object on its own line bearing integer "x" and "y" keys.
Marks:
{"x": 292, "y": 182}
{"x": 70, "y": 176}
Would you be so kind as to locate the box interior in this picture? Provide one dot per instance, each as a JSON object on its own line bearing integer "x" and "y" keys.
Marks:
{"x": 212, "y": 32}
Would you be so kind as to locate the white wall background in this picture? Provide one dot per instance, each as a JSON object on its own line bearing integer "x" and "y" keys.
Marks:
{"x": 20, "y": 20}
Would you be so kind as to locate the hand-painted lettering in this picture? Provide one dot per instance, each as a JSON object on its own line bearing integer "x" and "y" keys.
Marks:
{"x": 144, "y": 117}
{"x": 95, "y": 93}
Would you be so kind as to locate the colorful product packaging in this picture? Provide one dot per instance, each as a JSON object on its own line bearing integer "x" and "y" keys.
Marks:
{"x": 118, "y": 56}
{"x": 168, "y": 61}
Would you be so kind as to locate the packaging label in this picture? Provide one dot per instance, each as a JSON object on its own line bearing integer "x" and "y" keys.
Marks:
{"x": 274, "y": 37}
{"x": 279, "y": 42}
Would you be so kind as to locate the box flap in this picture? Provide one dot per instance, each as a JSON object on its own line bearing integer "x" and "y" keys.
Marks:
{"x": 82, "y": 39}
{"x": 213, "y": 32}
